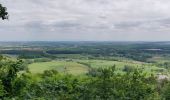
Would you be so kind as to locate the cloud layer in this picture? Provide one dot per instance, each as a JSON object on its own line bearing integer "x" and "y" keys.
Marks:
{"x": 86, "y": 20}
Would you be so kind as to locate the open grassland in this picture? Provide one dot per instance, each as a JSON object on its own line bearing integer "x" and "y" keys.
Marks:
{"x": 146, "y": 67}
{"x": 61, "y": 66}
{"x": 77, "y": 67}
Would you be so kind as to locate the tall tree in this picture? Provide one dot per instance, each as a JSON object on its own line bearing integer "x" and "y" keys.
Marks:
{"x": 3, "y": 12}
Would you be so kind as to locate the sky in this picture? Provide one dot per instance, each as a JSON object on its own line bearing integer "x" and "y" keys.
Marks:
{"x": 86, "y": 20}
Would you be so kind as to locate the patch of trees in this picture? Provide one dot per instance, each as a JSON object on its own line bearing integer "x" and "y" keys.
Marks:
{"x": 64, "y": 52}
{"x": 163, "y": 65}
{"x": 105, "y": 86}
{"x": 18, "y": 52}
{"x": 3, "y": 12}
{"x": 132, "y": 54}
{"x": 24, "y": 53}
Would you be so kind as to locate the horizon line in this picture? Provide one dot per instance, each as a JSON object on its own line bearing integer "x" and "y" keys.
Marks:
{"x": 79, "y": 41}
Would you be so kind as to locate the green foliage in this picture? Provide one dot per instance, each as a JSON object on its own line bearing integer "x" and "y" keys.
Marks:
{"x": 3, "y": 12}
{"x": 101, "y": 72}
{"x": 102, "y": 84}
{"x": 49, "y": 73}
{"x": 2, "y": 90}
{"x": 131, "y": 86}
{"x": 55, "y": 87}
{"x": 166, "y": 65}
{"x": 8, "y": 73}
{"x": 128, "y": 68}
{"x": 166, "y": 92}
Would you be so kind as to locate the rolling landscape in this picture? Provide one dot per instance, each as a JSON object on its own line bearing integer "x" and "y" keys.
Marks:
{"x": 80, "y": 57}
{"x": 85, "y": 62}
{"x": 84, "y": 50}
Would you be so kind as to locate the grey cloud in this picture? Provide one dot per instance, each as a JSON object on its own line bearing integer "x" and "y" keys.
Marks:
{"x": 100, "y": 19}
{"x": 145, "y": 25}
{"x": 66, "y": 24}
{"x": 126, "y": 25}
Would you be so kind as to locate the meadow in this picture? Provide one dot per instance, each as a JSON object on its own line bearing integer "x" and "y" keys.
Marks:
{"x": 81, "y": 67}
{"x": 60, "y": 66}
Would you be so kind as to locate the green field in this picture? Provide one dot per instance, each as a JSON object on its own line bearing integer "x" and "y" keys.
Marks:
{"x": 61, "y": 66}
{"x": 77, "y": 67}
{"x": 120, "y": 65}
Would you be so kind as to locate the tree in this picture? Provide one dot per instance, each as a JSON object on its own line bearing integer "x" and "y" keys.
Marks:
{"x": 3, "y": 12}
{"x": 8, "y": 74}
{"x": 166, "y": 92}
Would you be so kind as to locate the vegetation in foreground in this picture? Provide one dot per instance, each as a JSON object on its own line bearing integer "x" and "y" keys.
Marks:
{"x": 99, "y": 84}
{"x": 84, "y": 71}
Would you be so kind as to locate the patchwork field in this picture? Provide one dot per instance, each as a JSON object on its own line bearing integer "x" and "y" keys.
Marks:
{"x": 77, "y": 67}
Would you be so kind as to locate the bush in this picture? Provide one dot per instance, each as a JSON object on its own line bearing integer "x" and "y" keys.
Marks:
{"x": 128, "y": 68}
{"x": 166, "y": 92}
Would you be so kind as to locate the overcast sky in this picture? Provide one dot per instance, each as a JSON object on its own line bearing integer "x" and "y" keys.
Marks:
{"x": 86, "y": 20}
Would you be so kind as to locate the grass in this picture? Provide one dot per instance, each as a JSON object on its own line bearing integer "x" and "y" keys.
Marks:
{"x": 77, "y": 67}
{"x": 61, "y": 66}
{"x": 106, "y": 63}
